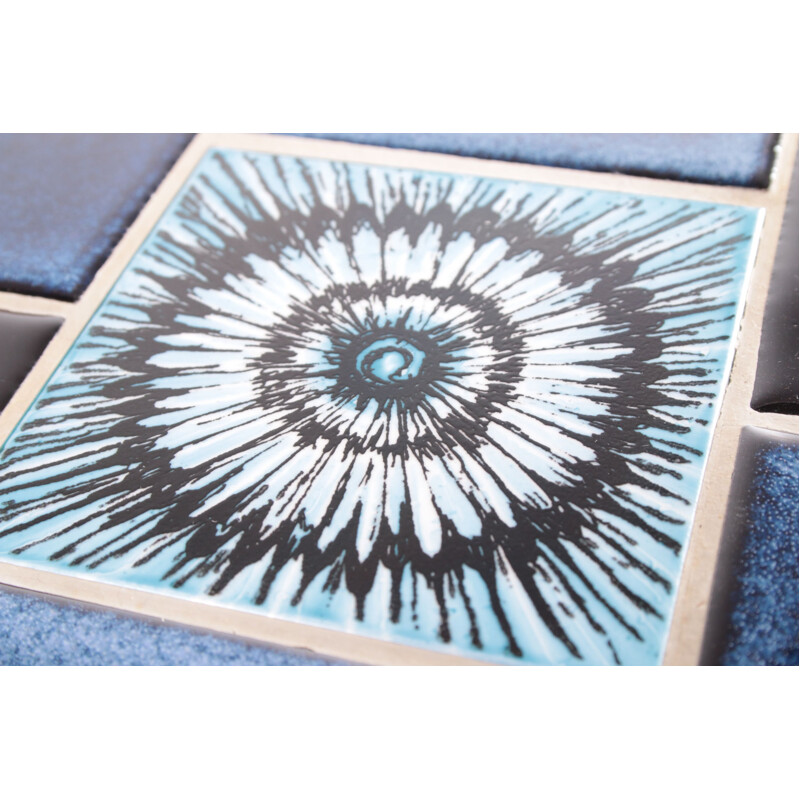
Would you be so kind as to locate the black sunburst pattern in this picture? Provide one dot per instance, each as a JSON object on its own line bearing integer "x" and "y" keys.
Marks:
{"x": 417, "y": 406}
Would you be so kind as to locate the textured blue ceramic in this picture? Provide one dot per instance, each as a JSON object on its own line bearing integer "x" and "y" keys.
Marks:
{"x": 736, "y": 159}
{"x": 754, "y": 614}
{"x": 66, "y": 200}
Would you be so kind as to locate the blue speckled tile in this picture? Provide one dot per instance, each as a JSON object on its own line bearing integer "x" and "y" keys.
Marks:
{"x": 735, "y": 159}
{"x": 23, "y": 338}
{"x": 776, "y": 383}
{"x": 753, "y": 619}
{"x": 66, "y": 199}
{"x": 37, "y": 631}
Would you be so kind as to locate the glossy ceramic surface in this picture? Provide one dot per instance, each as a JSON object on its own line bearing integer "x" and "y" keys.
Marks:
{"x": 461, "y": 413}
{"x": 776, "y": 387}
{"x": 23, "y": 338}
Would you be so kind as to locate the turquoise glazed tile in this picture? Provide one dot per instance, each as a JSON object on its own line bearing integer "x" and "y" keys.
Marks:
{"x": 460, "y": 413}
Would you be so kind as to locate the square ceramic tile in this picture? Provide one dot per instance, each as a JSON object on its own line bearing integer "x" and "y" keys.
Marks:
{"x": 441, "y": 410}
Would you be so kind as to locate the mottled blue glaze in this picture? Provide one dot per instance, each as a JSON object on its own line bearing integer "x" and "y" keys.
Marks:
{"x": 763, "y": 626}
{"x": 32, "y": 632}
{"x": 736, "y": 159}
{"x": 66, "y": 200}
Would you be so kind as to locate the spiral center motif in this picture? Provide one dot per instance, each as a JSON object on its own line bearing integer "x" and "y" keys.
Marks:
{"x": 428, "y": 408}
{"x": 390, "y": 360}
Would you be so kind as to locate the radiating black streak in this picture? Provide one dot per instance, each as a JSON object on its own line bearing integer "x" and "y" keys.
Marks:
{"x": 161, "y": 513}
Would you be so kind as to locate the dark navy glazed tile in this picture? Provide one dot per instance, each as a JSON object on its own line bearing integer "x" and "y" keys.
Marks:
{"x": 23, "y": 338}
{"x": 66, "y": 200}
{"x": 753, "y": 619}
{"x": 776, "y": 380}
{"x": 735, "y": 159}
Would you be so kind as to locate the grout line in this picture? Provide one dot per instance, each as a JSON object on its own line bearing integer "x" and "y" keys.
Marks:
{"x": 32, "y": 304}
{"x": 695, "y": 585}
{"x": 780, "y": 423}
{"x": 750, "y": 335}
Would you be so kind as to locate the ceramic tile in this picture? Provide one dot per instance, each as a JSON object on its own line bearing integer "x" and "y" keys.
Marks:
{"x": 459, "y": 413}
{"x": 776, "y": 379}
{"x": 66, "y": 199}
{"x": 736, "y": 159}
{"x": 32, "y": 633}
{"x": 753, "y": 619}
{"x": 23, "y": 338}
